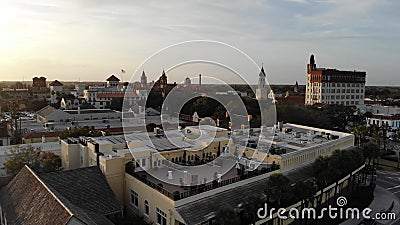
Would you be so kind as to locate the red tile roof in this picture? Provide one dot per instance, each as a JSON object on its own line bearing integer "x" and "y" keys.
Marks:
{"x": 41, "y": 134}
{"x": 294, "y": 100}
{"x": 117, "y": 95}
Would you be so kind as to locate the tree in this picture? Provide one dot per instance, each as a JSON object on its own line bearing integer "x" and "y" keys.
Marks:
{"x": 33, "y": 157}
{"x": 323, "y": 172}
{"x": 360, "y": 131}
{"x": 250, "y": 207}
{"x": 80, "y": 131}
{"x": 371, "y": 151}
{"x": 49, "y": 162}
{"x": 150, "y": 127}
{"x": 277, "y": 188}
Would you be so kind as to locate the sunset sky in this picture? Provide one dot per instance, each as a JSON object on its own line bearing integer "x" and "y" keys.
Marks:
{"x": 91, "y": 39}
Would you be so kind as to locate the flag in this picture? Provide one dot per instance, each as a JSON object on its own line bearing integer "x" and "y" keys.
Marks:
{"x": 122, "y": 71}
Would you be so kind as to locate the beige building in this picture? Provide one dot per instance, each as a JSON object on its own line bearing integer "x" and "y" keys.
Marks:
{"x": 161, "y": 179}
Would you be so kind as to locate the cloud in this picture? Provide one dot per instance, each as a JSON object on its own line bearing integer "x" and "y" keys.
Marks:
{"x": 111, "y": 33}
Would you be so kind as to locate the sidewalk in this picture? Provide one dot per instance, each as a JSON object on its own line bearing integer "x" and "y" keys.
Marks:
{"x": 384, "y": 201}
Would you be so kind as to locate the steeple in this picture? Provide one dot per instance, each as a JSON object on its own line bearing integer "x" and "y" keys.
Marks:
{"x": 296, "y": 87}
{"x": 143, "y": 78}
{"x": 163, "y": 78}
{"x": 261, "y": 78}
{"x": 262, "y": 72}
{"x": 261, "y": 92}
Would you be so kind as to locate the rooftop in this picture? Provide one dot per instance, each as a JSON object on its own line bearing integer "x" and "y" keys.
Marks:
{"x": 55, "y": 198}
{"x": 56, "y": 83}
{"x": 46, "y": 111}
{"x": 90, "y": 111}
{"x": 86, "y": 188}
{"x": 112, "y": 78}
{"x": 291, "y": 138}
{"x": 196, "y": 212}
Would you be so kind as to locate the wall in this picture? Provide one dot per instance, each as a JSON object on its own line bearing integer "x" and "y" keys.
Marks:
{"x": 113, "y": 168}
{"x": 70, "y": 155}
{"x": 39, "y": 140}
{"x": 154, "y": 198}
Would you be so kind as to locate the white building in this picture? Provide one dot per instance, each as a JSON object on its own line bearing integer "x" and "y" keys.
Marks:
{"x": 50, "y": 114}
{"x": 391, "y": 121}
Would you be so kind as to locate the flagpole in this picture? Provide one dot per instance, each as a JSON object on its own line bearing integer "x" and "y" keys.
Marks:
{"x": 122, "y": 77}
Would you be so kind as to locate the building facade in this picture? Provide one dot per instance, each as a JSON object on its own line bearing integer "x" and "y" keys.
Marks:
{"x": 331, "y": 86}
{"x": 390, "y": 122}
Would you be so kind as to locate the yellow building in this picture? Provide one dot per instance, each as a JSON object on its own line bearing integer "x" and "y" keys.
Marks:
{"x": 170, "y": 178}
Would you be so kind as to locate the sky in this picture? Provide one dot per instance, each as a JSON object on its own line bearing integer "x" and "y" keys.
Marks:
{"x": 88, "y": 40}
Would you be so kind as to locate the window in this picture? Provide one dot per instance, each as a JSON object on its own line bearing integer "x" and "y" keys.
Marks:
{"x": 143, "y": 162}
{"x": 134, "y": 198}
{"x": 146, "y": 208}
{"x": 161, "y": 217}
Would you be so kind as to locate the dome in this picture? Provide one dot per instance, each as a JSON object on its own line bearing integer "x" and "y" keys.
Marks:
{"x": 187, "y": 81}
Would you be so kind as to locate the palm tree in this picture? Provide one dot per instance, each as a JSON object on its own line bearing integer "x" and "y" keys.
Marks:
{"x": 277, "y": 188}
{"x": 360, "y": 131}
{"x": 371, "y": 151}
{"x": 250, "y": 207}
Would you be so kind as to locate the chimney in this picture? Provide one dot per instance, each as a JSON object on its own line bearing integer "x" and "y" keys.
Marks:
{"x": 200, "y": 79}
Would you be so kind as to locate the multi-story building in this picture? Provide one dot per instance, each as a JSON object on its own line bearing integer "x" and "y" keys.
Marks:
{"x": 332, "y": 86}
{"x": 39, "y": 82}
{"x": 150, "y": 176}
{"x": 391, "y": 122}
{"x": 101, "y": 97}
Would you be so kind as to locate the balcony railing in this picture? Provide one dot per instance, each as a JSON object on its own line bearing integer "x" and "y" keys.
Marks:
{"x": 197, "y": 189}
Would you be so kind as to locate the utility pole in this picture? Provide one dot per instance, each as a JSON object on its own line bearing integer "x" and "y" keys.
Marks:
{"x": 15, "y": 115}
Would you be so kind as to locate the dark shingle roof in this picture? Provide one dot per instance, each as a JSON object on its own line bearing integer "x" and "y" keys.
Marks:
{"x": 200, "y": 211}
{"x": 54, "y": 198}
{"x": 56, "y": 83}
{"x": 86, "y": 188}
{"x": 26, "y": 200}
{"x": 112, "y": 78}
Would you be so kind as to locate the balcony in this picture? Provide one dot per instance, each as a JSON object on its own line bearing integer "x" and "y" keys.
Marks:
{"x": 178, "y": 192}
